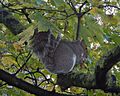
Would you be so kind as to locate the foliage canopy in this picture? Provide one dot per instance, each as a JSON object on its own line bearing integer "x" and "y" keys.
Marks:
{"x": 95, "y": 21}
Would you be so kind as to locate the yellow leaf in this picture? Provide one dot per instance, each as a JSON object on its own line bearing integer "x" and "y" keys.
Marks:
{"x": 93, "y": 11}
{"x": 76, "y": 90}
{"x": 2, "y": 44}
{"x": 96, "y": 2}
{"x": 110, "y": 19}
{"x": 8, "y": 60}
{"x": 17, "y": 46}
{"x": 113, "y": 20}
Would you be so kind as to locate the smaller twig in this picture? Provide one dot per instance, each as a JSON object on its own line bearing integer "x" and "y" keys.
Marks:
{"x": 16, "y": 59}
{"x": 70, "y": 3}
{"x": 83, "y": 13}
{"x": 26, "y": 15}
{"x": 70, "y": 15}
{"x": 48, "y": 80}
{"x": 102, "y": 6}
{"x": 28, "y": 57}
{"x": 34, "y": 79}
{"x": 66, "y": 26}
{"x": 18, "y": 10}
{"x": 82, "y": 5}
{"x": 27, "y": 77}
{"x": 78, "y": 14}
{"x": 44, "y": 81}
{"x": 42, "y": 74}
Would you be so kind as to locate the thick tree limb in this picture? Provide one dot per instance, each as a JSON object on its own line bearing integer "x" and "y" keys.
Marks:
{"x": 19, "y": 83}
{"x": 79, "y": 80}
{"x": 105, "y": 64}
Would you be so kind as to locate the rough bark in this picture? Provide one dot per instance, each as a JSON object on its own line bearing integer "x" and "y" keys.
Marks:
{"x": 19, "y": 83}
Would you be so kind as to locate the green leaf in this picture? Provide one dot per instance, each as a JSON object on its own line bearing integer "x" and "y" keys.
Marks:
{"x": 44, "y": 24}
{"x": 118, "y": 28}
{"x": 40, "y": 2}
{"x": 58, "y": 2}
{"x": 8, "y": 60}
{"x": 116, "y": 38}
{"x": 95, "y": 29}
{"x": 26, "y": 34}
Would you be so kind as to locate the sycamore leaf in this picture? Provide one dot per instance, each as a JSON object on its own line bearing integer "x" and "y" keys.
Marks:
{"x": 118, "y": 28}
{"x": 113, "y": 20}
{"x": 40, "y": 2}
{"x": 26, "y": 34}
{"x": 96, "y": 2}
{"x": 116, "y": 38}
{"x": 44, "y": 24}
{"x": 2, "y": 44}
{"x": 58, "y": 2}
{"x": 94, "y": 10}
{"x": 8, "y": 60}
{"x": 110, "y": 19}
{"x": 92, "y": 31}
{"x": 76, "y": 90}
{"x": 95, "y": 29}
{"x": 16, "y": 7}
{"x": 17, "y": 46}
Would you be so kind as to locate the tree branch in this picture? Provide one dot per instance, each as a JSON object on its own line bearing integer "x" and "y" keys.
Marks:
{"x": 102, "y": 6}
{"x": 105, "y": 64}
{"x": 70, "y": 3}
{"x": 82, "y": 5}
{"x": 28, "y": 57}
{"x": 30, "y": 8}
{"x": 78, "y": 14}
{"x": 19, "y": 83}
{"x": 78, "y": 28}
{"x": 26, "y": 15}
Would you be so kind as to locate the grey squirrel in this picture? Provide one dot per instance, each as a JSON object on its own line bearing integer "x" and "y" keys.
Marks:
{"x": 59, "y": 56}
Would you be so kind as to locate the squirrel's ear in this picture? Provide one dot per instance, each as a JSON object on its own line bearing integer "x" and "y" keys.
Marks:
{"x": 35, "y": 30}
{"x": 49, "y": 31}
